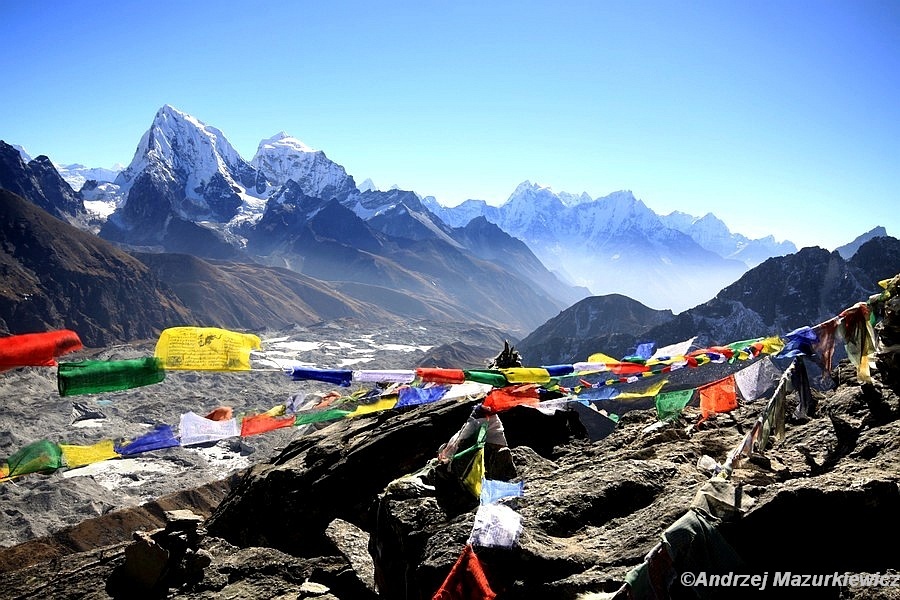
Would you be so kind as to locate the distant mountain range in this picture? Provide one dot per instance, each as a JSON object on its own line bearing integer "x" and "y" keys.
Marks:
{"x": 188, "y": 203}
{"x": 615, "y": 244}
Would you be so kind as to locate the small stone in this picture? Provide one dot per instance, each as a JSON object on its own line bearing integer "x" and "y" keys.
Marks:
{"x": 310, "y": 588}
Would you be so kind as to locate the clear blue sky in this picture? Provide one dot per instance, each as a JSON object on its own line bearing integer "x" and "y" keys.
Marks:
{"x": 781, "y": 117}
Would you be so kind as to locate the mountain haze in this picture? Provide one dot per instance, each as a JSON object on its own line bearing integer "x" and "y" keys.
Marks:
{"x": 783, "y": 293}
{"x": 613, "y": 244}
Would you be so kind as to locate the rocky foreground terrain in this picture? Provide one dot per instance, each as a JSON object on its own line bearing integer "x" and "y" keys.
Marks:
{"x": 336, "y": 514}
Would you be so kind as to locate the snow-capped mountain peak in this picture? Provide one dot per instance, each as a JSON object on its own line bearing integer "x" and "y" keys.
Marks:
{"x": 367, "y": 186}
{"x": 283, "y": 157}
{"x": 284, "y": 140}
{"x": 27, "y": 158}
{"x": 179, "y": 143}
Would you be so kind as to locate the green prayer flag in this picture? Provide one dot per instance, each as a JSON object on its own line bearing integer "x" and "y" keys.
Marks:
{"x": 494, "y": 378}
{"x": 36, "y": 457}
{"x": 670, "y": 404}
{"x": 321, "y": 415}
{"x": 94, "y": 376}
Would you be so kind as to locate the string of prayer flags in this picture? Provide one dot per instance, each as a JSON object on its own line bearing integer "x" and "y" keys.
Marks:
{"x": 161, "y": 436}
{"x": 194, "y": 429}
{"x": 37, "y": 349}
{"x": 466, "y": 580}
{"x": 96, "y": 376}
{"x": 41, "y": 456}
{"x": 824, "y": 346}
{"x": 526, "y": 375}
{"x": 800, "y": 384}
{"x": 206, "y": 349}
{"x": 385, "y": 402}
{"x": 859, "y": 338}
{"x": 475, "y": 472}
{"x": 559, "y": 370}
{"x": 798, "y": 342}
{"x": 492, "y": 378}
{"x": 493, "y": 490}
{"x": 79, "y": 456}
{"x": 220, "y": 413}
{"x": 307, "y": 417}
{"x": 755, "y": 380}
{"x": 717, "y": 397}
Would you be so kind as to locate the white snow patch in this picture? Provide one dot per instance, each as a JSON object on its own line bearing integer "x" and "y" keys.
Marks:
{"x": 122, "y": 472}
{"x": 402, "y": 348}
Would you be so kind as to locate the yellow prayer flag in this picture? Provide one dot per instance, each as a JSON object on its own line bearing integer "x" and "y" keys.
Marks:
{"x": 601, "y": 358}
{"x": 384, "y": 403}
{"x": 206, "y": 349}
{"x": 526, "y": 375}
{"x": 476, "y": 473}
{"x": 653, "y": 390}
{"x": 79, "y": 456}
{"x": 276, "y": 411}
{"x": 772, "y": 345}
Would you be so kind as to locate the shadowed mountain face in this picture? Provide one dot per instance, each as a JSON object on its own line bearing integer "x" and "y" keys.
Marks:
{"x": 778, "y": 296}
{"x": 56, "y": 276}
{"x": 247, "y": 296}
{"x": 609, "y": 324}
{"x": 39, "y": 182}
{"x": 427, "y": 273}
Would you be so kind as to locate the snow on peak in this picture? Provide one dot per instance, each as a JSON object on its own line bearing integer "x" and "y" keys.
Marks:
{"x": 367, "y": 186}
{"x": 283, "y": 157}
{"x": 25, "y": 156}
{"x": 180, "y": 143}
{"x": 282, "y": 139}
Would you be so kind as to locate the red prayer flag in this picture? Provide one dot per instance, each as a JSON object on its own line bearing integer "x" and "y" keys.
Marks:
{"x": 441, "y": 375}
{"x": 37, "y": 349}
{"x": 466, "y": 580}
{"x": 504, "y": 398}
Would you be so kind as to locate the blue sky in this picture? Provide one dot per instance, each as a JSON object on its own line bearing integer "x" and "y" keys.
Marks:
{"x": 781, "y": 118}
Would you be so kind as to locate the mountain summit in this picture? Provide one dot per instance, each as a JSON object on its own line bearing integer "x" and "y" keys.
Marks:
{"x": 282, "y": 157}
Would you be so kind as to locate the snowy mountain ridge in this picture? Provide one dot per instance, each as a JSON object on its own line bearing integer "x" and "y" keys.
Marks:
{"x": 282, "y": 157}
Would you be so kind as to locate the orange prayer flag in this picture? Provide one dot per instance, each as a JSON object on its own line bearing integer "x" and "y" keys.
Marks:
{"x": 221, "y": 413}
{"x": 262, "y": 423}
{"x": 718, "y": 396}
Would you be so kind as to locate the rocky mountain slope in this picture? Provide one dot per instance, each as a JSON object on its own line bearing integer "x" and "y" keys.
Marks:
{"x": 56, "y": 276}
{"x": 361, "y": 508}
{"x": 40, "y": 183}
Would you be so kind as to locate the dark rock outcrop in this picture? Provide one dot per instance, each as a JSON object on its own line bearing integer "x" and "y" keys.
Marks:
{"x": 40, "y": 183}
